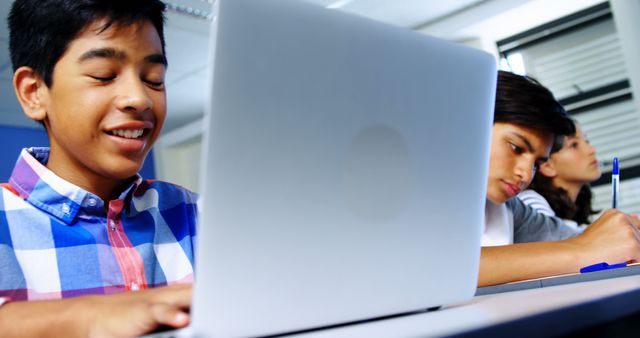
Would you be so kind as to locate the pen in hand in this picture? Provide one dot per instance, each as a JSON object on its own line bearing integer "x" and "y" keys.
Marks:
{"x": 615, "y": 193}
{"x": 615, "y": 183}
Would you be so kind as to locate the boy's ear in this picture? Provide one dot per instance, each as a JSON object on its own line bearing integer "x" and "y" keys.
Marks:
{"x": 547, "y": 169}
{"x": 30, "y": 91}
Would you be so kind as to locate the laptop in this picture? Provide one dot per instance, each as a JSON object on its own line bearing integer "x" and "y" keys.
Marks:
{"x": 344, "y": 167}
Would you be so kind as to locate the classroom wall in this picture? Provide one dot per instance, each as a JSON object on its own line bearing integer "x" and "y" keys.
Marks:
{"x": 180, "y": 163}
{"x": 13, "y": 139}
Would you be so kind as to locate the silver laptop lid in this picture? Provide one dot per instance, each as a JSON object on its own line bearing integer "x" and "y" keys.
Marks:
{"x": 344, "y": 170}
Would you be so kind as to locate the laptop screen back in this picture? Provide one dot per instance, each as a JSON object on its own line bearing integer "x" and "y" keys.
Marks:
{"x": 344, "y": 170}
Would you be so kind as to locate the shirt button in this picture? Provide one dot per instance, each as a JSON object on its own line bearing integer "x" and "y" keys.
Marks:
{"x": 135, "y": 286}
{"x": 112, "y": 224}
{"x": 92, "y": 201}
{"x": 65, "y": 208}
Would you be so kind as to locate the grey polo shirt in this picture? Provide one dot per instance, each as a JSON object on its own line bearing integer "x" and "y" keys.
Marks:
{"x": 532, "y": 226}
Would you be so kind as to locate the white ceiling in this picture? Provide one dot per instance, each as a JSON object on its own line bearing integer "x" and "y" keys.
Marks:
{"x": 187, "y": 38}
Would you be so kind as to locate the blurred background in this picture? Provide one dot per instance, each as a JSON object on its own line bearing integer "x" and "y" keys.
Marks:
{"x": 586, "y": 51}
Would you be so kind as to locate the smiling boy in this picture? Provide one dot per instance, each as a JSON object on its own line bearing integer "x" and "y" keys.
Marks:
{"x": 75, "y": 218}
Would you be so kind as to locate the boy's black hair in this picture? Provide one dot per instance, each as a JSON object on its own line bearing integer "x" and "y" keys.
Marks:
{"x": 523, "y": 101}
{"x": 41, "y": 30}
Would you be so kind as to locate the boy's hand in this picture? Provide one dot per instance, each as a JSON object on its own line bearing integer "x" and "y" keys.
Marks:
{"x": 613, "y": 238}
{"x": 132, "y": 314}
{"x": 122, "y": 315}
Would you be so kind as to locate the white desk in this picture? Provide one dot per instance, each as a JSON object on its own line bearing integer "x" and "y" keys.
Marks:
{"x": 545, "y": 311}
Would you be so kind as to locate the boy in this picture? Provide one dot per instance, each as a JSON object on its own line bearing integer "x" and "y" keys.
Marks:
{"x": 526, "y": 119}
{"x": 76, "y": 219}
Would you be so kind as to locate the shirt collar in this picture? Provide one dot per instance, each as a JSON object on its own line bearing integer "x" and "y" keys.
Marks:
{"x": 50, "y": 193}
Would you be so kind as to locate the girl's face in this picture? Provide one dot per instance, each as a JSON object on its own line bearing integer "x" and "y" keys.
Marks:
{"x": 575, "y": 163}
{"x": 516, "y": 153}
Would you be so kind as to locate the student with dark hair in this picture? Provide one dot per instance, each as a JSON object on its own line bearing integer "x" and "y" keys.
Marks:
{"x": 526, "y": 117}
{"x": 79, "y": 228}
{"x": 520, "y": 243}
{"x": 561, "y": 187}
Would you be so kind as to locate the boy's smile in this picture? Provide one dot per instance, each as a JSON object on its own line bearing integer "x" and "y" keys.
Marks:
{"x": 130, "y": 137}
{"x": 106, "y": 105}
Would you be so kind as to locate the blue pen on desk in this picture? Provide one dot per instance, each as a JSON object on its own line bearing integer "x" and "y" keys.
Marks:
{"x": 602, "y": 266}
{"x": 615, "y": 183}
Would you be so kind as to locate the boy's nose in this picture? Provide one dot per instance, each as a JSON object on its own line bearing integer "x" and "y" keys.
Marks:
{"x": 133, "y": 97}
{"x": 525, "y": 170}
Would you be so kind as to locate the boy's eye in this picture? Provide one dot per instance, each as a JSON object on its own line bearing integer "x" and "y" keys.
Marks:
{"x": 102, "y": 78}
{"x": 155, "y": 84}
{"x": 516, "y": 149}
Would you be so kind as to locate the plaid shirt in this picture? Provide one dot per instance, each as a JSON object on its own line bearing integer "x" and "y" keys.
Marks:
{"x": 57, "y": 240}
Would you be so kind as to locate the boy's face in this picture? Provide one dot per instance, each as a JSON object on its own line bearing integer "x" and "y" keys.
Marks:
{"x": 107, "y": 103}
{"x": 516, "y": 152}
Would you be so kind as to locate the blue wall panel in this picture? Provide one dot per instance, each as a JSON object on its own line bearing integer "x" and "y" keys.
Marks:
{"x": 13, "y": 139}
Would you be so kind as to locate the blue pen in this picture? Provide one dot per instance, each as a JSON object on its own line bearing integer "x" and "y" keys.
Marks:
{"x": 615, "y": 184}
{"x": 615, "y": 192}
{"x": 602, "y": 266}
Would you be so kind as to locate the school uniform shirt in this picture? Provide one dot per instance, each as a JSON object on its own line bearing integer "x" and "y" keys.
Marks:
{"x": 536, "y": 201}
{"x": 57, "y": 240}
{"x": 514, "y": 222}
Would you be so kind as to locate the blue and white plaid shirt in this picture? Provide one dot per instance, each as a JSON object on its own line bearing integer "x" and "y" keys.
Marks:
{"x": 57, "y": 240}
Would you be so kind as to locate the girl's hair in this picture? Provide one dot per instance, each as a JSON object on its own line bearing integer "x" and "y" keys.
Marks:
{"x": 558, "y": 198}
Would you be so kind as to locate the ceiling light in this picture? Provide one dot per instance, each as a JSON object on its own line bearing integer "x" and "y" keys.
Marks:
{"x": 339, "y": 3}
{"x": 190, "y": 11}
